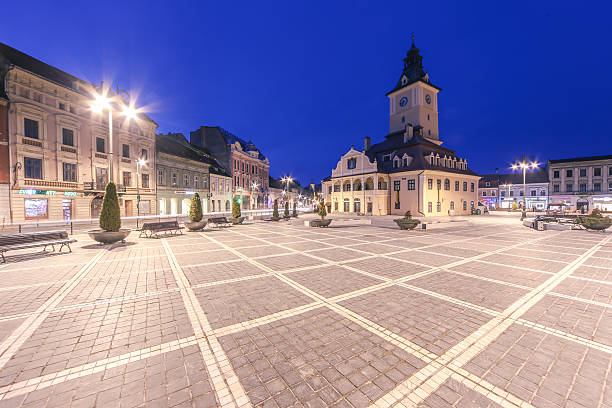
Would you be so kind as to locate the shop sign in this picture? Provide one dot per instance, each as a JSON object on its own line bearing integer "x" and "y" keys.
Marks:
{"x": 36, "y": 192}
{"x": 70, "y": 193}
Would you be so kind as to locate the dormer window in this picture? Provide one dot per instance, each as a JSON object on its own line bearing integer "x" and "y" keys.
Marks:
{"x": 404, "y": 80}
{"x": 396, "y": 163}
{"x": 351, "y": 163}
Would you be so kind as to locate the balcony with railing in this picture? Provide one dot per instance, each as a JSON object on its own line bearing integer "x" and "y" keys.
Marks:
{"x": 99, "y": 187}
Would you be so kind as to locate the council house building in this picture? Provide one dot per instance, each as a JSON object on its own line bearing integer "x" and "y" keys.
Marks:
{"x": 409, "y": 170}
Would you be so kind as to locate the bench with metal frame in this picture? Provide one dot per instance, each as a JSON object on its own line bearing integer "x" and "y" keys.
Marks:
{"x": 219, "y": 221}
{"x": 26, "y": 240}
{"x": 152, "y": 229}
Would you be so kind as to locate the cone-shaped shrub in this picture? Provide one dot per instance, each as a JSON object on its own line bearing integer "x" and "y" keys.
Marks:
{"x": 110, "y": 218}
{"x": 195, "y": 211}
{"x": 321, "y": 210}
{"x": 236, "y": 208}
{"x": 294, "y": 209}
{"x": 275, "y": 211}
{"x": 286, "y": 208}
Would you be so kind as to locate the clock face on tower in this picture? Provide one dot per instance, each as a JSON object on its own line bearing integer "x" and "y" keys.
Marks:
{"x": 428, "y": 99}
{"x": 403, "y": 101}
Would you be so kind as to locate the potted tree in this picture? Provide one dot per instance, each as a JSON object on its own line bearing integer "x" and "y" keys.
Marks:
{"x": 286, "y": 214}
{"x": 110, "y": 219}
{"x": 322, "y": 213}
{"x": 595, "y": 221}
{"x": 275, "y": 216}
{"x": 407, "y": 223}
{"x": 237, "y": 217}
{"x": 195, "y": 214}
{"x": 295, "y": 214}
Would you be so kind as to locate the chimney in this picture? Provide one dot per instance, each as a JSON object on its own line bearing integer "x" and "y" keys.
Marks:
{"x": 366, "y": 143}
{"x": 408, "y": 133}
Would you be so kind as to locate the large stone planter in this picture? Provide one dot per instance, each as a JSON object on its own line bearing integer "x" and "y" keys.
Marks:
{"x": 236, "y": 221}
{"x": 108, "y": 237}
{"x": 595, "y": 223}
{"x": 275, "y": 218}
{"x": 320, "y": 223}
{"x": 406, "y": 223}
{"x": 196, "y": 225}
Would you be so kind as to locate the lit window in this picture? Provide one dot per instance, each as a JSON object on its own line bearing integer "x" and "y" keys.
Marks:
{"x": 411, "y": 184}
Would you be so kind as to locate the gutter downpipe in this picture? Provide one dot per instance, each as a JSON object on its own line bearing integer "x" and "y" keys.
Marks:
{"x": 8, "y": 140}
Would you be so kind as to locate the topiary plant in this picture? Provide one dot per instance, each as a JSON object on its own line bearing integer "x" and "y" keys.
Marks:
{"x": 321, "y": 210}
{"x": 195, "y": 210}
{"x": 408, "y": 215}
{"x": 286, "y": 214}
{"x": 275, "y": 210}
{"x": 110, "y": 217}
{"x": 294, "y": 209}
{"x": 595, "y": 221}
{"x": 236, "y": 213}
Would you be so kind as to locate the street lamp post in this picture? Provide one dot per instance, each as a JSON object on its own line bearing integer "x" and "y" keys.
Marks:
{"x": 139, "y": 164}
{"x": 524, "y": 165}
{"x": 287, "y": 180}
{"x": 253, "y": 188}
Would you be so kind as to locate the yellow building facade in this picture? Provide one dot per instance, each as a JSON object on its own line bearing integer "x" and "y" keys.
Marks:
{"x": 409, "y": 170}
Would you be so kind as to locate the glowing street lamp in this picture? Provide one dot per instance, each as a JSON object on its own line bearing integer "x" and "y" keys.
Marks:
{"x": 525, "y": 166}
{"x": 286, "y": 180}
{"x": 102, "y": 102}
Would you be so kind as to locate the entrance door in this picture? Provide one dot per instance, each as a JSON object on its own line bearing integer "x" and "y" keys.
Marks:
{"x": 347, "y": 206}
{"x": 357, "y": 206}
{"x": 128, "y": 208}
{"x": 67, "y": 209}
{"x": 369, "y": 208}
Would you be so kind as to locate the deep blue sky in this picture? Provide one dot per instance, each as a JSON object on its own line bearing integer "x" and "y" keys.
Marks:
{"x": 305, "y": 80}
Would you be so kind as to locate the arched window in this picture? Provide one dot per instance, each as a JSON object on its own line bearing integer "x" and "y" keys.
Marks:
{"x": 382, "y": 184}
{"x": 369, "y": 184}
{"x": 337, "y": 187}
{"x": 346, "y": 186}
{"x": 452, "y": 206}
{"x": 464, "y": 205}
{"x": 357, "y": 185}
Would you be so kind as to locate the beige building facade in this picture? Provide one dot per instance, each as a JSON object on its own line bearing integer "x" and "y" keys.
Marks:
{"x": 409, "y": 170}
{"x": 60, "y": 151}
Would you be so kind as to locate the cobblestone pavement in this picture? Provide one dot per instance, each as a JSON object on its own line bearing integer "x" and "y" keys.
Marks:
{"x": 274, "y": 314}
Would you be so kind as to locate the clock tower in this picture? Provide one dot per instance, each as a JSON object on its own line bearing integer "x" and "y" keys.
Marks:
{"x": 414, "y": 100}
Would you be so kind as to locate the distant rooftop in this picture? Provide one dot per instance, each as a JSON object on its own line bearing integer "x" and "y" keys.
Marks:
{"x": 581, "y": 159}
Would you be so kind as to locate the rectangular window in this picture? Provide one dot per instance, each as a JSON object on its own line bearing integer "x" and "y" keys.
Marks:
{"x": 336, "y": 188}
{"x": 160, "y": 177}
{"x": 429, "y": 207}
{"x": 101, "y": 177}
{"x": 33, "y": 168}
{"x": 196, "y": 182}
{"x": 36, "y": 208}
{"x": 456, "y": 186}
{"x": 127, "y": 178}
{"x": 67, "y": 137}
{"x": 439, "y": 184}
{"x": 484, "y": 193}
{"x": 542, "y": 192}
{"x": 62, "y": 106}
{"x": 582, "y": 187}
{"x": 396, "y": 185}
{"x": 438, "y": 206}
{"x": 186, "y": 180}
{"x": 329, "y": 189}
{"x": 555, "y": 188}
{"x": 556, "y": 174}
{"x": 411, "y": 184}
{"x": 597, "y": 172}
{"x": 582, "y": 172}
{"x": 464, "y": 205}
{"x": 610, "y": 171}
{"x": 465, "y": 186}
{"x": 511, "y": 193}
{"x": 502, "y": 193}
{"x": 521, "y": 193}
{"x": 145, "y": 181}
{"x": 174, "y": 179}
{"x": 472, "y": 187}
{"x": 69, "y": 170}
{"x": 126, "y": 151}
{"x": 100, "y": 148}
{"x": 569, "y": 173}
{"x": 492, "y": 193}
{"x": 569, "y": 187}
{"x": 429, "y": 184}
{"x": 610, "y": 186}
{"x": 597, "y": 187}
{"x": 30, "y": 128}
{"x": 144, "y": 154}
{"x": 533, "y": 193}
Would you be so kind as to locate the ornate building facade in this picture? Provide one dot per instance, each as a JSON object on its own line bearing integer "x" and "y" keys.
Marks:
{"x": 409, "y": 170}
{"x": 59, "y": 150}
{"x": 248, "y": 166}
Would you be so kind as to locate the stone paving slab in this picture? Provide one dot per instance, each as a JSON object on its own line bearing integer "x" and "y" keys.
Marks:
{"x": 454, "y": 394}
{"x": 330, "y": 281}
{"x": 603, "y": 274}
{"x": 386, "y": 267}
{"x": 503, "y": 273}
{"x": 203, "y": 274}
{"x": 543, "y": 370}
{"x": 317, "y": 358}
{"x": 290, "y": 261}
{"x": 236, "y": 302}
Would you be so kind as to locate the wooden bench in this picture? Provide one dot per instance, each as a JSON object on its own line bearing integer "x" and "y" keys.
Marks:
{"x": 27, "y": 240}
{"x": 219, "y": 221}
{"x": 152, "y": 229}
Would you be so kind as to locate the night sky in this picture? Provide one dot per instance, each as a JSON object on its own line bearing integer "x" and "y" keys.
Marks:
{"x": 305, "y": 80}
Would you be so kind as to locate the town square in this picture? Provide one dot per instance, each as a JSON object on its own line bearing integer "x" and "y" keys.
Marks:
{"x": 305, "y": 205}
